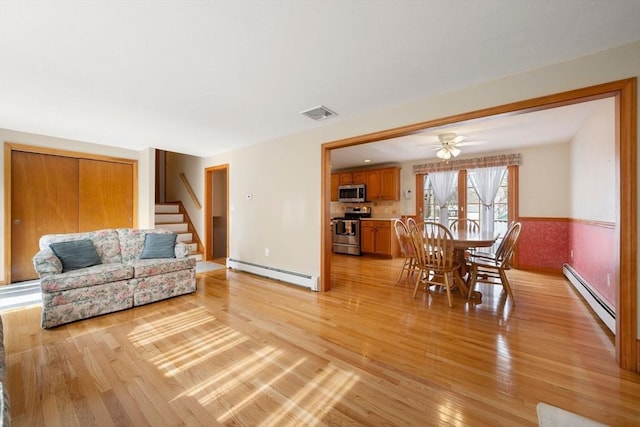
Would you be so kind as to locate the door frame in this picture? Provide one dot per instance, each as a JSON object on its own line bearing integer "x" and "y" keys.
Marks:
{"x": 208, "y": 208}
{"x": 626, "y": 139}
{"x": 9, "y": 148}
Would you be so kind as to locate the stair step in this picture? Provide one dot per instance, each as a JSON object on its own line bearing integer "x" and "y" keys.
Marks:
{"x": 165, "y": 218}
{"x": 185, "y": 237}
{"x": 178, "y": 227}
{"x": 167, "y": 209}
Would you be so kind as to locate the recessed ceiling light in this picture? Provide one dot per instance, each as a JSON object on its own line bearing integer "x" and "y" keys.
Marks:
{"x": 319, "y": 113}
{"x": 366, "y": 161}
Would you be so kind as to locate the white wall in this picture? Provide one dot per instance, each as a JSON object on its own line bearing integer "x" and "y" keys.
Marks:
{"x": 593, "y": 171}
{"x": 274, "y": 204}
{"x": 146, "y": 170}
{"x": 544, "y": 184}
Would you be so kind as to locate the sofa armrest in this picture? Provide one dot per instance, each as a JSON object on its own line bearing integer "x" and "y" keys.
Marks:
{"x": 181, "y": 250}
{"x": 46, "y": 263}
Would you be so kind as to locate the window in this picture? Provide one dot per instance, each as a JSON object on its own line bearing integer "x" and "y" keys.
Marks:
{"x": 471, "y": 204}
{"x": 431, "y": 208}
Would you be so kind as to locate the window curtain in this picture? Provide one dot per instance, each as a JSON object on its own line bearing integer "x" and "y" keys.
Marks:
{"x": 443, "y": 184}
{"x": 486, "y": 182}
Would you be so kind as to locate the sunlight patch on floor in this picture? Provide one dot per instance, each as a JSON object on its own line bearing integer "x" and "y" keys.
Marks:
{"x": 160, "y": 329}
{"x": 192, "y": 353}
{"x": 315, "y": 400}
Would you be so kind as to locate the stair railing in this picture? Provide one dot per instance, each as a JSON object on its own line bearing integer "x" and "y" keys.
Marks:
{"x": 194, "y": 199}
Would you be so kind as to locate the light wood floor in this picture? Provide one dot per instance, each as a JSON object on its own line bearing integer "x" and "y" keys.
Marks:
{"x": 247, "y": 351}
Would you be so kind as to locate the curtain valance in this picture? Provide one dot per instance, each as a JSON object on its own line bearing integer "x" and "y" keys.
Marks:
{"x": 478, "y": 162}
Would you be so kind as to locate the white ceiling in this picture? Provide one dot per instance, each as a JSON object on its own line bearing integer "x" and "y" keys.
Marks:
{"x": 503, "y": 133}
{"x": 203, "y": 77}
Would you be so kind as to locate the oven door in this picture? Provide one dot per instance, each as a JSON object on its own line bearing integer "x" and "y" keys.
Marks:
{"x": 346, "y": 231}
{"x": 346, "y": 236}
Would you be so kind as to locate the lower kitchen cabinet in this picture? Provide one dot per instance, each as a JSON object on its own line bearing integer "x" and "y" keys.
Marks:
{"x": 377, "y": 237}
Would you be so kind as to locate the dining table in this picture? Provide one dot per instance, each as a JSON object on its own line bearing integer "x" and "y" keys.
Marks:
{"x": 463, "y": 241}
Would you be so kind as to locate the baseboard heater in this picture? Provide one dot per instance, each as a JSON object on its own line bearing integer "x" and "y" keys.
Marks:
{"x": 292, "y": 277}
{"x": 602, "y": 309}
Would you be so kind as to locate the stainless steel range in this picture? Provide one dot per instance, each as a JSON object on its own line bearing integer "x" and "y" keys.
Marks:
{"x": 346, "y": 230}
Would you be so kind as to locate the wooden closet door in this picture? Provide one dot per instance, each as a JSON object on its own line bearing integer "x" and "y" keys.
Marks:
{"x": 44, "y": 200}
{"x": 105, "y": 195}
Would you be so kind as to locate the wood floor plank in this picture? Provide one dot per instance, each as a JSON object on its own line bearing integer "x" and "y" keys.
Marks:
{"x": 245, "y": 350}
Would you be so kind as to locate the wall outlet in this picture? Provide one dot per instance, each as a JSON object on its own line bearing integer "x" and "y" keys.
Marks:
{"x": 571, "y": 253}
{"x": 266, "y": 251}
{"x": 609, "y": 280}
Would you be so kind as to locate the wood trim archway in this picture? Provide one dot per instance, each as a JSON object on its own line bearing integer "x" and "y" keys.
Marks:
{"x": 625, "y": 93}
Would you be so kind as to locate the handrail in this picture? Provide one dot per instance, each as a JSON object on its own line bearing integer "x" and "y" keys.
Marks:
{"x": 194, "y": 199}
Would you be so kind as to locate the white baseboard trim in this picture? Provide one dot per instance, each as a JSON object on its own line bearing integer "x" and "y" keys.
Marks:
{"x": 595, "y": 301}
{"x": 299, "y": 279}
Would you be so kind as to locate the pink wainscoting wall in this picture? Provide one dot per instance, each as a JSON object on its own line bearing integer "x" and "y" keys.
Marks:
{"x": 543, "y": 244}
{"x": 593, "y": 245}
{"x": 588, "y": 246}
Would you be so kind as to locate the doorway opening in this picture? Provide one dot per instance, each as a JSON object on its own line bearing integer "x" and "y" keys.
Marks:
{"x": 216, "y": 214}
{"x": 625, "y": 94}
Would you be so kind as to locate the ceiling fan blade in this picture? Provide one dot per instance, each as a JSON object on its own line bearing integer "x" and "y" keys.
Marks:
{"x": 476, "y": 142}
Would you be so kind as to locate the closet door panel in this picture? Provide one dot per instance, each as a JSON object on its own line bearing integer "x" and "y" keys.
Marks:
{"x": 105, "y": 195}
{"x": 44, "y": 200}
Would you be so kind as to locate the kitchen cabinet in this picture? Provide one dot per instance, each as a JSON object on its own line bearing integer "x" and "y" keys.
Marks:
{"x": 335, "y": 183}
{"x": 377, "y": 237}
{"x": 383, "y": 184}
{"x": 345, "y": 178}
{"x": 359, "y": 177}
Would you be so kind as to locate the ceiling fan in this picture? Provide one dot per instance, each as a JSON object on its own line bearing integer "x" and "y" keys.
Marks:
{"x": 449, "y": 143}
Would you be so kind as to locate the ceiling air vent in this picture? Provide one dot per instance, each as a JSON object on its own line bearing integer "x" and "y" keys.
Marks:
{"x": 319, "y": 113}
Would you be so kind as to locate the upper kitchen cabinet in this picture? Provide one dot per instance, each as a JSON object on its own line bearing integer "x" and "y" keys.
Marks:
{"x": 359, "y": 177}
{"x": 345, "y": 178}
{"x": 338, "y": 179}
{"x": 383, "y": 184}
{"x": 335, "y": 182}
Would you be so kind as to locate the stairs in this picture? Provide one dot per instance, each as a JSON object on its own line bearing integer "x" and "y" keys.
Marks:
{"x": 171, "y": 216}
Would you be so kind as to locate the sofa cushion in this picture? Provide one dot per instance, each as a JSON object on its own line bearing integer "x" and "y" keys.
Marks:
{"x": 76, "y": 254}
{"x": 159, "y": 245}
{"x": 132, "y": 242}
{"x": 152, "y": 267}
{"x": 90, "y": 276}
{"x": 156, "y": 288}
{"x": 106, "y": 243}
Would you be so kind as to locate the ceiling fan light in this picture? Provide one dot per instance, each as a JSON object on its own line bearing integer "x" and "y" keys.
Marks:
{"x": 443, "y": 153}
{"x": 454, "y": 151}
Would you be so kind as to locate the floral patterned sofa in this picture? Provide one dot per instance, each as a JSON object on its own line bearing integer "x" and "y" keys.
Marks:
{"x": 127, "y": 271}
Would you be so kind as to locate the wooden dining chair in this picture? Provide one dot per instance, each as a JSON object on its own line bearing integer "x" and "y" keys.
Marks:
{"x": 411, "y": 224}
{"x": 406, "y": 249}
{"x": 492, "y": 268}
{"x": 433, "y": 246}
{"x": 470, "y": 225}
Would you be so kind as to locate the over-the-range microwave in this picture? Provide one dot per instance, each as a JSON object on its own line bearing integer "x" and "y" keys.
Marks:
{"x": 353, "y": 193}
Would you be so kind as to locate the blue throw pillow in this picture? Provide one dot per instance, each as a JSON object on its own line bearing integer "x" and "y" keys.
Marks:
{"x": 157, "y": 245}
{"x": 76, "y": 254}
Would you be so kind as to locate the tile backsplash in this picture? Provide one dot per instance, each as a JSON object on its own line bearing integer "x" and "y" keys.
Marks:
{"x": 383, "y": 209}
